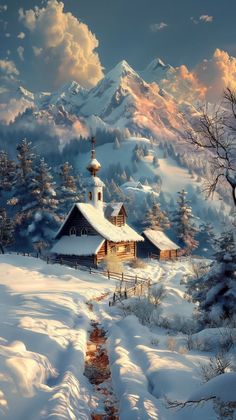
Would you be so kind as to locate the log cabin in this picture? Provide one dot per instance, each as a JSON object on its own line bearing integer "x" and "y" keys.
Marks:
{"x": 156, "y": 244}
{"x": 94, "y": 229}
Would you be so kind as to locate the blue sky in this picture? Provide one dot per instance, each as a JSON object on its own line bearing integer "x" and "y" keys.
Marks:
{"x": 178, "y": 31}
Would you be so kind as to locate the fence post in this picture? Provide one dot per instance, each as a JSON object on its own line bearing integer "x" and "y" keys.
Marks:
{"x": 47, "y": 260}
{"x": 114, "y": 298}
{"x": 108, "y": 274}
{"x": 136, "y": 279}
{"x": 90, "y": 270}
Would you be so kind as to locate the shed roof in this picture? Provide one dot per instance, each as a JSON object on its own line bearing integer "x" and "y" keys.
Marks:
{"x": 160, "y": 240}
{"x": 78, "y": 245}
{"x": 113, "y": 209}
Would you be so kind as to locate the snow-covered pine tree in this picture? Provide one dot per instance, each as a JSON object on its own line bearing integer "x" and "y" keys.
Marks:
{"x": 216, "y": 290}
{"x": 183, "y": 222}
{"x": 116, "y": 144}
{"x": 7, "y": 172}
{"x": 6, "y": 230}
{"x": 156, "y": 219}
{"x": 44, "y": 219}
{"x": 67, "y": 191}
{"x": 155, "y": 162}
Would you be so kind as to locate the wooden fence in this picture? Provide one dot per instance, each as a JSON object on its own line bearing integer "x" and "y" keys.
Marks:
{"x": 128, "y": 286}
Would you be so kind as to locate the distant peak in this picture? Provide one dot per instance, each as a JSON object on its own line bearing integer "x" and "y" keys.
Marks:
{"x": 157, "y": 63}
{"x": 121, "y": 69}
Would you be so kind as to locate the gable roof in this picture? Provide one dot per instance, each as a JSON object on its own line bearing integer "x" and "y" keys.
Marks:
{"x": 102, "y": 226}
{"x": 113, "y": 209}
{"x": 78, "y": 245}
{"x": 160, "y": 240}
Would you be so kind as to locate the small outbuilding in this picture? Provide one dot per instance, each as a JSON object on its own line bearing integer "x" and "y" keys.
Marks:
{"x": 157, "y": 245}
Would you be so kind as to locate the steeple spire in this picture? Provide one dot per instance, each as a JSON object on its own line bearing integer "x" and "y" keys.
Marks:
{"x": 93, "y": 166}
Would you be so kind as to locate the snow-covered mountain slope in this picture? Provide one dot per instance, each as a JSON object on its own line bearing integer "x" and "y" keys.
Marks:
{"x": 121, "y": 99}
{"x": 156, "y": 71}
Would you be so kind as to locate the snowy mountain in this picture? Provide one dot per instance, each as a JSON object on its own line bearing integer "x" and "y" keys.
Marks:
{"x": 121, "y": 99}
{"x": 156, "y": 71}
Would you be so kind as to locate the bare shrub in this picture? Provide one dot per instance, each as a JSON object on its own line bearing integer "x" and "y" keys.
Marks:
{"x": 171, "y": 343}
{"x": 154, "y": 341}
{"x": 182, "y": 350}
{"x": 138, "y": 263}
{"x": 157, "y": 294}
{"x": 218, "y": 365}
{"x": 113, "y": 264}
{"x": 141, "y": 308}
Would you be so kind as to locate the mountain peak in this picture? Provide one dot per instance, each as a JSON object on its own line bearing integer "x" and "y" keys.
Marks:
{"x": 120, "y": 70}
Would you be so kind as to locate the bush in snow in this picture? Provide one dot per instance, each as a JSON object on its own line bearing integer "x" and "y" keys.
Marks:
{"x": 171, "y": 343}
{"x": 138, "y": 263}
{"x": 6, "y": 230}
{"x": 113, "y": 264}
{"x": 157, "y": 294}
{"x": 143, "y": 309}
{"x": 217, "y": 365}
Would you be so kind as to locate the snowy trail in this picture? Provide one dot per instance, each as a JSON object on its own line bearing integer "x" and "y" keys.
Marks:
{"x": 97, "y": 370}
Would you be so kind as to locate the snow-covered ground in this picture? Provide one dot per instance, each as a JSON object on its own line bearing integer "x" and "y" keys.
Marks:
{"x": 43, "y": 335}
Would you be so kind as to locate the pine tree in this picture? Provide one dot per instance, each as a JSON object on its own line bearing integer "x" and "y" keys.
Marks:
{"x": 67, "y": 192}
{"x": 155, "y": 162}
{"x": 116, "y": 144}
{"x": 156, "y": 219}
{"x": 182, "y": 219}
{"x": 7, "y": 172}
{"x": 6, "y": 230}
{"x": 44, "y": 219}
{"x": 216, "y": 290}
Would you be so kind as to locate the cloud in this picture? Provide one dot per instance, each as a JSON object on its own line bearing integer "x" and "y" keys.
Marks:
{"x": 206, "y": 81}
{"x": 206, "y": 18}
{"x": 20, "y": 51}
{"x": 155, "y": 27}
{"x": 13, "y": 108}
{"x": 202, "y": 18}
{"x": 8, "y": 67}
{"x": 21, "y": 35}
{"x": 63, "y": 46}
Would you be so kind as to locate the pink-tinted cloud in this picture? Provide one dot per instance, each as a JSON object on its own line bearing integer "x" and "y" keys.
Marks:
{"x": 66, "y": 45}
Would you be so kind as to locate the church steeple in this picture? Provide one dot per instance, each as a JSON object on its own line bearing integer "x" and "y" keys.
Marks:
{"x": 93, "y": 166}
{"x": 94, "y": 193}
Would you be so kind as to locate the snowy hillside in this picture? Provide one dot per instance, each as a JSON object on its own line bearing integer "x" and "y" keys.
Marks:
{"x": 43, "y": 340}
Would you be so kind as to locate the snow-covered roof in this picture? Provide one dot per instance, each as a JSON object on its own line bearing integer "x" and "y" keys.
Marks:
{"x": 102, "y": 226}
{"x": 78, "y": 245}
{"x": 113, "y": 209}
{"x": 160, "y": 240}
{"x": 94, "y": 181}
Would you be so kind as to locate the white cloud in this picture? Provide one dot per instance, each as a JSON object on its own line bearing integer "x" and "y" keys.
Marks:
{"x": 8, "y": 67}
{"x": 20, "y": 51}
{"x": 11, "y": 109}
{"x": 63, "y": 46}
{"x": 7, "y": 35}
{"x": 158, "y": 26}
{"x": 21, "y": 35}
{"x": 206, "y": 18}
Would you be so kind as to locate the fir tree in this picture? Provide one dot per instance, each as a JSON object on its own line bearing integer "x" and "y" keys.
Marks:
{"x": 156, "y": 219}
{"x": 116, "y": 144}
{"x": 6, "y": 230}
{"x": 155, "y": 162}
{"x": 182, "y": 219}
{"x": 7, "y": 172}
{"x": 216, "y": 290}
{"x": 44, "y": 220}
{"x": 67, "y": 192}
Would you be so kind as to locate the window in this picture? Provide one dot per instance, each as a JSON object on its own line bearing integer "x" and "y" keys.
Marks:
{"x": 73, "y": 231}
{"x": 113, "y": 250}
{"x": 128, "y": 248}
{"x": 84, "y": 232}
{"x": 90, "y": 196}
{"x": 99, "y": 196}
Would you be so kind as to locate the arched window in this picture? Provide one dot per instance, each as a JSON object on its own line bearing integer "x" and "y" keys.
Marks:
{"x": 73, "y": 231}
{"x": 90, "y": 196}
{"x": 84, "y": 232}
{"x": 99, "y": 196}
